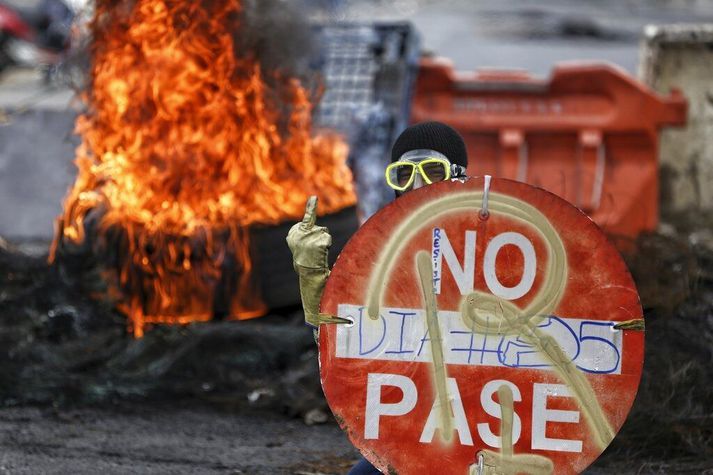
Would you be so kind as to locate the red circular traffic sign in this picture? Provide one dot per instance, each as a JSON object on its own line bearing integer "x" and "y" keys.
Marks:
{"x": 480, "y": 344}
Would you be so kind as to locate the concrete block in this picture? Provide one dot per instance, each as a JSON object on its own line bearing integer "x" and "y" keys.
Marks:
{"x": 681, "y": 56}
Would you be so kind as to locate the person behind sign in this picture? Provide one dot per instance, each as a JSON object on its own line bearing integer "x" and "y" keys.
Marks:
{"x": 423, "y": 154}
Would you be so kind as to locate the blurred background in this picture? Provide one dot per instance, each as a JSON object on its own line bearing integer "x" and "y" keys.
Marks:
{"x": 121, "y": 278}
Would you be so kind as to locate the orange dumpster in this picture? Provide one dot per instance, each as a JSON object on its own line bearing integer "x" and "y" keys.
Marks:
{"x": 589, "y": 133}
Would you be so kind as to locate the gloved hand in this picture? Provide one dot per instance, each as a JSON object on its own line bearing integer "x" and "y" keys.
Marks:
{"x": 310, "y": 247}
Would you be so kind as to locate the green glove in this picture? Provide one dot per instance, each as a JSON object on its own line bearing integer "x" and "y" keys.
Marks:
{"x": 310, "y": 247}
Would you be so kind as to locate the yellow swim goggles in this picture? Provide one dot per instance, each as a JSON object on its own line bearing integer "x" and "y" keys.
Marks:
{"x": 401, "y": 174}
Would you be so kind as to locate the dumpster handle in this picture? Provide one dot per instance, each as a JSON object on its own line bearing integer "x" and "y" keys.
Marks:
{"x": 591, "y": 147}
{"x": 509, "y": 86}
{"x": 599, "y": 176}
{"x": 522, "y": 165}
{"x": 514, "y": 151}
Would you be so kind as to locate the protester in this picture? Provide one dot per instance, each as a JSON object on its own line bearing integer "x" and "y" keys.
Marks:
{"x": 423, "y": 154}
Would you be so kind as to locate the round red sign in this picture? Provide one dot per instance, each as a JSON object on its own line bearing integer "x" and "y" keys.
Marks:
{"x": 481, "y": 342}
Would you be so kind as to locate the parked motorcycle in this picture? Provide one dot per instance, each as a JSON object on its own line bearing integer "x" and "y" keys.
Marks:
{"x": 34, "y": 37}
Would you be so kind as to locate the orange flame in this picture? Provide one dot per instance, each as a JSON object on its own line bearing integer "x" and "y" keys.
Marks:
{"x": 185, "y": 146}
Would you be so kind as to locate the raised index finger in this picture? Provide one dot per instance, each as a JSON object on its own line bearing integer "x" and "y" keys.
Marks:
{"x": 310, "y": 213}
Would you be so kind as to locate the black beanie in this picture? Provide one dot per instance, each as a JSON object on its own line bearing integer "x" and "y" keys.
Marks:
{"x": 433, "y": 136}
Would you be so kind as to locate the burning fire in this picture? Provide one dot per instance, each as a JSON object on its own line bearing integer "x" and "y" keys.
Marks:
{"x": 185, "y": 145}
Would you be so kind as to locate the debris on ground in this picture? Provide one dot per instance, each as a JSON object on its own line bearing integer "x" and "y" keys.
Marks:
{"x": 62, "y": 348}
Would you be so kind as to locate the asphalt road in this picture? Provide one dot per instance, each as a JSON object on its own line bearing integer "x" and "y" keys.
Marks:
{"x": 189, "y": 438}
{"x": 176, "y": 438}
{"x": 533, "y": 35}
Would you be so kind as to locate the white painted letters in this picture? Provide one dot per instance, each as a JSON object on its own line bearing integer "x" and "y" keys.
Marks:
{"x": 375, "y": 408}
{"x": 490, "y": 436}
{"x": 464, "y": 275}
{"x": 493, "y": 409}
{"x": 460, "y": 422}
{"x": 541, "y": 416}
{"x": 528, "y": 273}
